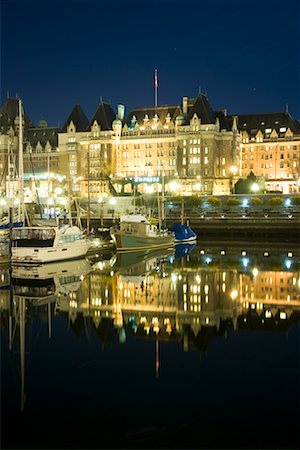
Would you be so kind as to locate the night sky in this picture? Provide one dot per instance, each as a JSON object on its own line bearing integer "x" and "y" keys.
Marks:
{"x": 243, "y": 54}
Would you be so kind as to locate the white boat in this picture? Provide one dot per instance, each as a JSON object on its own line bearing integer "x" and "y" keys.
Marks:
{"x": 36, "y": 245}
{"x": 136, "y": 233}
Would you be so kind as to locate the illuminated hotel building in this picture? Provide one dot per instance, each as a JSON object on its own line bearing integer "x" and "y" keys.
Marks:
{"x": 204, "y": 150}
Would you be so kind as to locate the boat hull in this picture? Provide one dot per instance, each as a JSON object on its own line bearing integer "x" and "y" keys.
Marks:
{"x": 39, "y": 255}
{"x": 126, "y": 242}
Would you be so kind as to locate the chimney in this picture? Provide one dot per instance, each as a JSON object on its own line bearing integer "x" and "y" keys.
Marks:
{"x": 184, "y": 105}
{"x": 121, "y": 111}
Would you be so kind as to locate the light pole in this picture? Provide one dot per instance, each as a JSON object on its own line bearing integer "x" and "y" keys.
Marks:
{"x": 233, "y": 171}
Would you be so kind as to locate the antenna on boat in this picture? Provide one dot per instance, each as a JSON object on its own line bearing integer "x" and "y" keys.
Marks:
{"x": 21, "y": 166}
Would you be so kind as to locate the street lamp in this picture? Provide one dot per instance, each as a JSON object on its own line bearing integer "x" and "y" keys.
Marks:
{"x": 233, "y": 171}
{"x": 112, "y": 202}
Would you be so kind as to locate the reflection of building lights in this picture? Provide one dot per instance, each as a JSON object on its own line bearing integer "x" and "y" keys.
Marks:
{"x": 174, "y": 277}
{"x": 245, "y": 262}
{"x": 234, "y": 294}
{"x": 288, "y": 263}
{"x": 255, "y": 272}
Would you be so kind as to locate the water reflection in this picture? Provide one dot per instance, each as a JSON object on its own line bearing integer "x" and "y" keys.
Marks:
{"x": 188, "y": 296}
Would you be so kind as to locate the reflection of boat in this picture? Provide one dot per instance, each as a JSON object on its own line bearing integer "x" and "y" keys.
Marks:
{"x": 136, "y": 233}
{"x": 184, "y": 249}
{"x": 183, "y": 233}
{"x": 140, "y": 263}
{"x": 47, "y": 244}
{"x": 42, "y": 283}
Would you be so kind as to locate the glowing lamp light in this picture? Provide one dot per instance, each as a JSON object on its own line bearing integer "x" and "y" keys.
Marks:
{"x": 245, "y": 202}
{"x": 149, "y": 189}
{"x": 254, "y": 187}
{"x": 112, "y": 201}
{"x": 58, "y": 190}
{"x": 2, "y": 202}
{"x": 208, "y": 260}
{"x": 173, "y": 186}
{"x": 288, "y": 202}
{"x": 233, "y": 170}
{"x": 255, "y": 272}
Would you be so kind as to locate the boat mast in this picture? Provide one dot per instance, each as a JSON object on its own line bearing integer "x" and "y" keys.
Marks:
{"x": 21, "y": 167}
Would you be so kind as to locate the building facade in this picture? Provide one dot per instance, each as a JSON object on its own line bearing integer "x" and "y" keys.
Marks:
{"x": 187, "y": 148}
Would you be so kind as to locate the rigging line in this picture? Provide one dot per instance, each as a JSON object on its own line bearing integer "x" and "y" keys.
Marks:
{"x": 37, "y": 192}
{"x": 3, "y": 173}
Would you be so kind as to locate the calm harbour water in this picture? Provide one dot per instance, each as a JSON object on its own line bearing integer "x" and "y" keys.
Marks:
{"x": 197, "y": 349}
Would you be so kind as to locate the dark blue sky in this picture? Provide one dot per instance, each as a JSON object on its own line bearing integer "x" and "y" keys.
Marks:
{"x": 244, "y": 53}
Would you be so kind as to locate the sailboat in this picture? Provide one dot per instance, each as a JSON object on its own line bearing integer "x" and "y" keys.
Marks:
{"x": 44, "y": 244}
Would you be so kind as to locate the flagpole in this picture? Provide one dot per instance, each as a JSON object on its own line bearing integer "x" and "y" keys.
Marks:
{"x": 155, "y": 87}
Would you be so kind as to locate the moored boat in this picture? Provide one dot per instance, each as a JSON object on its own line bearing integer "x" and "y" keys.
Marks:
{"x": 183, "y": 233}
{"x": 136, "y": 233}
{"x": 36, "y": 245}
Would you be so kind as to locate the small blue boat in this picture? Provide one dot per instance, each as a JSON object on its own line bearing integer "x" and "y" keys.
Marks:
{"x": 6, "y": 226}
{"x": 183, "y": 233}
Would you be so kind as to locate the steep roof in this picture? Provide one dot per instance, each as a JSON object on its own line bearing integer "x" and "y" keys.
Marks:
{"x": 79, "y": 119}
{"x": 8, "y": 114}
{"x": 254, "y": 122}
{"x": 104, "y": 115}
{"x": 203, "y": 110}
{"x": 43, "y": 135}
{"x": 161, "y": 111}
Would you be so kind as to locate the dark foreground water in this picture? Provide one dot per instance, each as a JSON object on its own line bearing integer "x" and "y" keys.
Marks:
{"x": 153, "y": 351}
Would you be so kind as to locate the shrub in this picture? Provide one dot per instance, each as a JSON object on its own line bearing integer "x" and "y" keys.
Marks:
{"x": 175, "y": 198}
{"x": 232, "y": 201}
{"x": 255, "y": 201}
{"x": 193, "y": 201}
{"x": 214, "y": 201}
{"x": 296, "y": 200}
{"x": 275, "y": 201}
